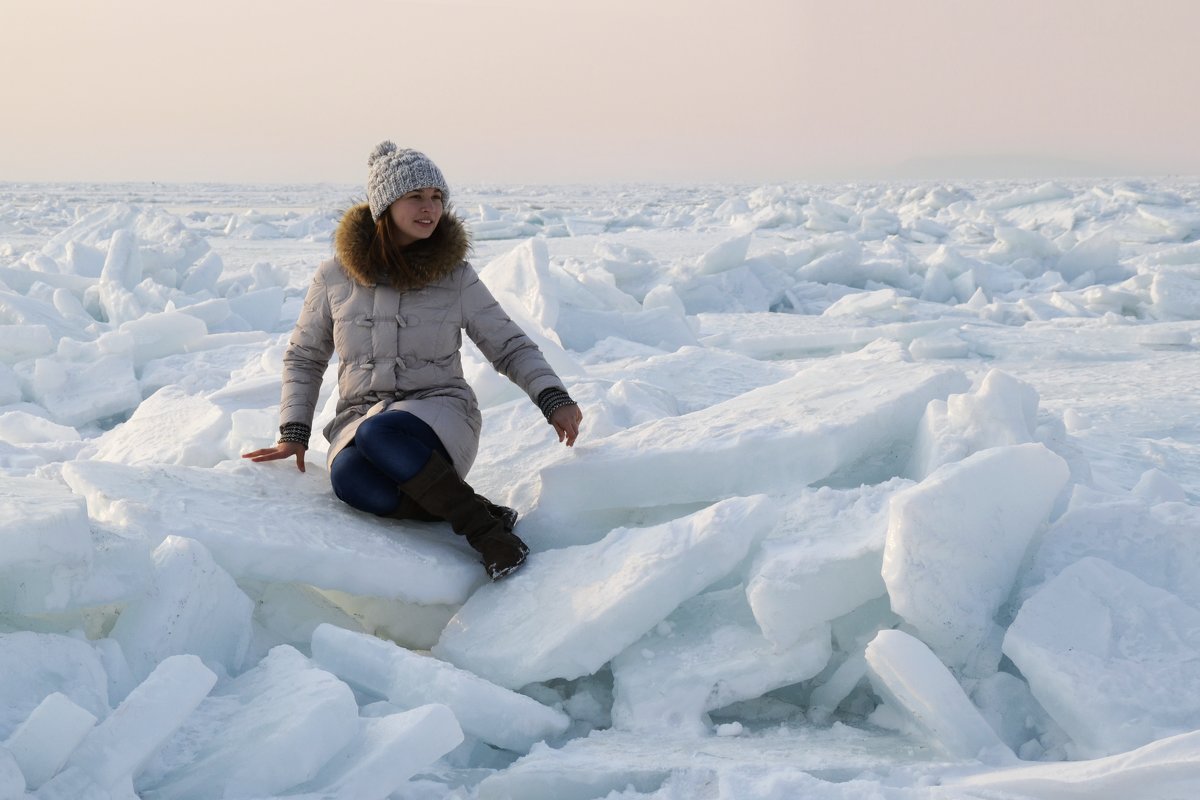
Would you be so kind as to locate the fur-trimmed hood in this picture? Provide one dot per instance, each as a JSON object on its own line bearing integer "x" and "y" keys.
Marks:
{"x": 428, "y": 260}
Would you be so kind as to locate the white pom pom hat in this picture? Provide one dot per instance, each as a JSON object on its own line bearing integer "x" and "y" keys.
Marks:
{"x": 394, "y": 172}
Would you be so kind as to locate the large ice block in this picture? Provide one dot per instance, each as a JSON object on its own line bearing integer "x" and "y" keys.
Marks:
{"x": 1115, "y": 661}
{"x": 118, "y": 747}
{"x": 386, "y": 753}
{"x": 191, "y": 606}
{"x": 12, "y": 782}
{"x": 707, "y": 654}
{"x": 1166, "y": 769}
{"x": 825, "y": 420}
{"x": 270, "y": 522}
{"x": 568, "y": 611}
{"x": 36, "y": 665}
{"x": 822, "y": 560}
{"x": 170, "y": 426}
{"x": 259, "y": 735}
{"x": 44, "y": 741}
{"x": 956, "y": 541}
{"x": 1000, "y": 411}
{"x": 912, "y": 679}
{"x": 498, "y": 716}
{"x": 42, "y": 524}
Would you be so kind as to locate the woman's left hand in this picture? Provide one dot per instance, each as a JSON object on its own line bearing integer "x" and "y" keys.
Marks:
{"x": 566, "y": 423}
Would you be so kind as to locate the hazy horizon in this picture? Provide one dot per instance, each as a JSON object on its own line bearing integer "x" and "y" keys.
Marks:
{"x": 537, "y": 91}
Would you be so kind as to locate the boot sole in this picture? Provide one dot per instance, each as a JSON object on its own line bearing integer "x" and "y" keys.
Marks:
{"x": 497, "y": 574}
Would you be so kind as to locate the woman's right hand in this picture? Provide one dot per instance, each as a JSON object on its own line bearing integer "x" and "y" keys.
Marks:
{"x": 281, "y": 450}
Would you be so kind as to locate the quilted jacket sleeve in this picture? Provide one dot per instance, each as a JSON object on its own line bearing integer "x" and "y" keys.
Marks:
{"x": 502, "y": 341}
{"x": 309, "y": 350}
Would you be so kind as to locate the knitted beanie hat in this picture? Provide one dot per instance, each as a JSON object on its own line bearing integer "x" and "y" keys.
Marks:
{"x": 394, "y": 172}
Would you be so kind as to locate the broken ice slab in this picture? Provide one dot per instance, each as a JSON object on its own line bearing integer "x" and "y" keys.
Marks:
{"x": 171, "y": 426}
{"x": 1115, "y": 661}
{"x": 955, "y": 544}
{"x": 611, "y": 761}
{"x": 281, "y": 525}
{"x": 48, "y": 557}
{"x": 288, "y": 613}
{"x": 914, "y": 682}
{"x": 1001, "y": 410}
{"x": 44, "y": 741}
{"x": 567, "y": 612}
{"x": 191, "y": 606}
{"x": 416, "y": 627}
{"x": 708, "y": 654}
{"x": 498, "y": 716}
{"x": 772, "y": 336}
{"x": 1156, "y": 542}
{"x": 1164, "y": 770}
{"x": 36, "y": 665}
{"x": 832, "y": 417}
{"x": 386, "y": 753}
{"x": 118, "y": 747}
{"x": 74, "y": 783}
{"x": 42, "y": 524}
{"x": 78, "y": 392}
{"x": 821, "y": 561}
{"x": 271, "y": 728}
{"x": 12, "y": 782}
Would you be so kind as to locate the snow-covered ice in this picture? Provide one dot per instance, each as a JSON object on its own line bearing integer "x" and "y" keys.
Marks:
{"x": 45, "y": 740}
{"x": 37, "y": 665}
{"x": 988, "y": 507}
{"x": 496, "y": 715}
{"x": 386, "y": 753}
{"x": 687, "y": 665}
{"x": 191, "y": 605}
{"x": 884, "y": 490}
{"x": 271, "y": 728}
{"x": 780, "y": 437}
{"x": 822, "y": 561}
{"x": 302, "y": 539}
{"x": 125, "y": 740}
{"x": 569, "y": 611}
{"x": 910, "y": 677}
{"x": 1115, "y": 661}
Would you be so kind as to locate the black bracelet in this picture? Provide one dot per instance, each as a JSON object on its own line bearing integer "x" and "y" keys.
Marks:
{"x": 552, "y": 399}
{"x": 297, "y": 432}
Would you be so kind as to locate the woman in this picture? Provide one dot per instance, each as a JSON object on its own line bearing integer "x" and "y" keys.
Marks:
{"x": 392, "y": 304}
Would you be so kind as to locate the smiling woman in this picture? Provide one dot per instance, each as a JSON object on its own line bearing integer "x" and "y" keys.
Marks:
{"x": 392, "y": 304}
{"x": 416, "y": 214}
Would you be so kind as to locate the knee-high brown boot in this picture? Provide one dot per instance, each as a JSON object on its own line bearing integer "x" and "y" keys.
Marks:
{"x": 411, "y": 509}
{"x": 438, "y": 489}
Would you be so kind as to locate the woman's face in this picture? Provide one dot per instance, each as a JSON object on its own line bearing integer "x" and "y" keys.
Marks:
{"x": 416, "y": 214}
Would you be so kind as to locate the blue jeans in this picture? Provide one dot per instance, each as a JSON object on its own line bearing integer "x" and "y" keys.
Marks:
{"x": 388, "y": 449}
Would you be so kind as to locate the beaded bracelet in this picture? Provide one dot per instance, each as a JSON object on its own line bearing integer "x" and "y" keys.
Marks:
{"x": 552, "y": 399}
{"x": 296, "y": 432}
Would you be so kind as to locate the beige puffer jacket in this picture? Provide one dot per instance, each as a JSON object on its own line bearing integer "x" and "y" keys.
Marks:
{"x": 399, "y": 348}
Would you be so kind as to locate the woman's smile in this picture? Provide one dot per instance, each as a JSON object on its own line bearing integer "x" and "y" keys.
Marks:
{"x": 416, "y": 214}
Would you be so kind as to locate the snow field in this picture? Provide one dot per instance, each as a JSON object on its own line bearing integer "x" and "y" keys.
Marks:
{"x": 883, "y": 490}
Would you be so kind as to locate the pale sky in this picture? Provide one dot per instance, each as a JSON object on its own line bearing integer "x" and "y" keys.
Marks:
{"x": 545, "y": 91}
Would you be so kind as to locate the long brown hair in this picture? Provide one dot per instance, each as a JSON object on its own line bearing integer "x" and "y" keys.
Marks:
{"x": 393, "y": 260}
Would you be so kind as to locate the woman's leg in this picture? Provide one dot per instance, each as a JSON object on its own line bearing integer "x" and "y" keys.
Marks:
{"x": 359, "y": 483}
{"x": 396, "y": 447}
{"x": 437, "y": 488}
{"x": 398, "y": 444}
{"x": 387, "y": 449}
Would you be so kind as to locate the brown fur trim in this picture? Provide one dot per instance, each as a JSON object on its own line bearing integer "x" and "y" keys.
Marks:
{"x": 427, "y": 260}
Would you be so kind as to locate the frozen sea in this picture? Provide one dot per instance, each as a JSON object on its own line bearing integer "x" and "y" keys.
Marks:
{"x": 884, "y": 490}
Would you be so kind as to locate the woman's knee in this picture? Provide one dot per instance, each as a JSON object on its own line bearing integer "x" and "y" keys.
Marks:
{"x": 359, "y": 484}
{"x": 397, "y": 443}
